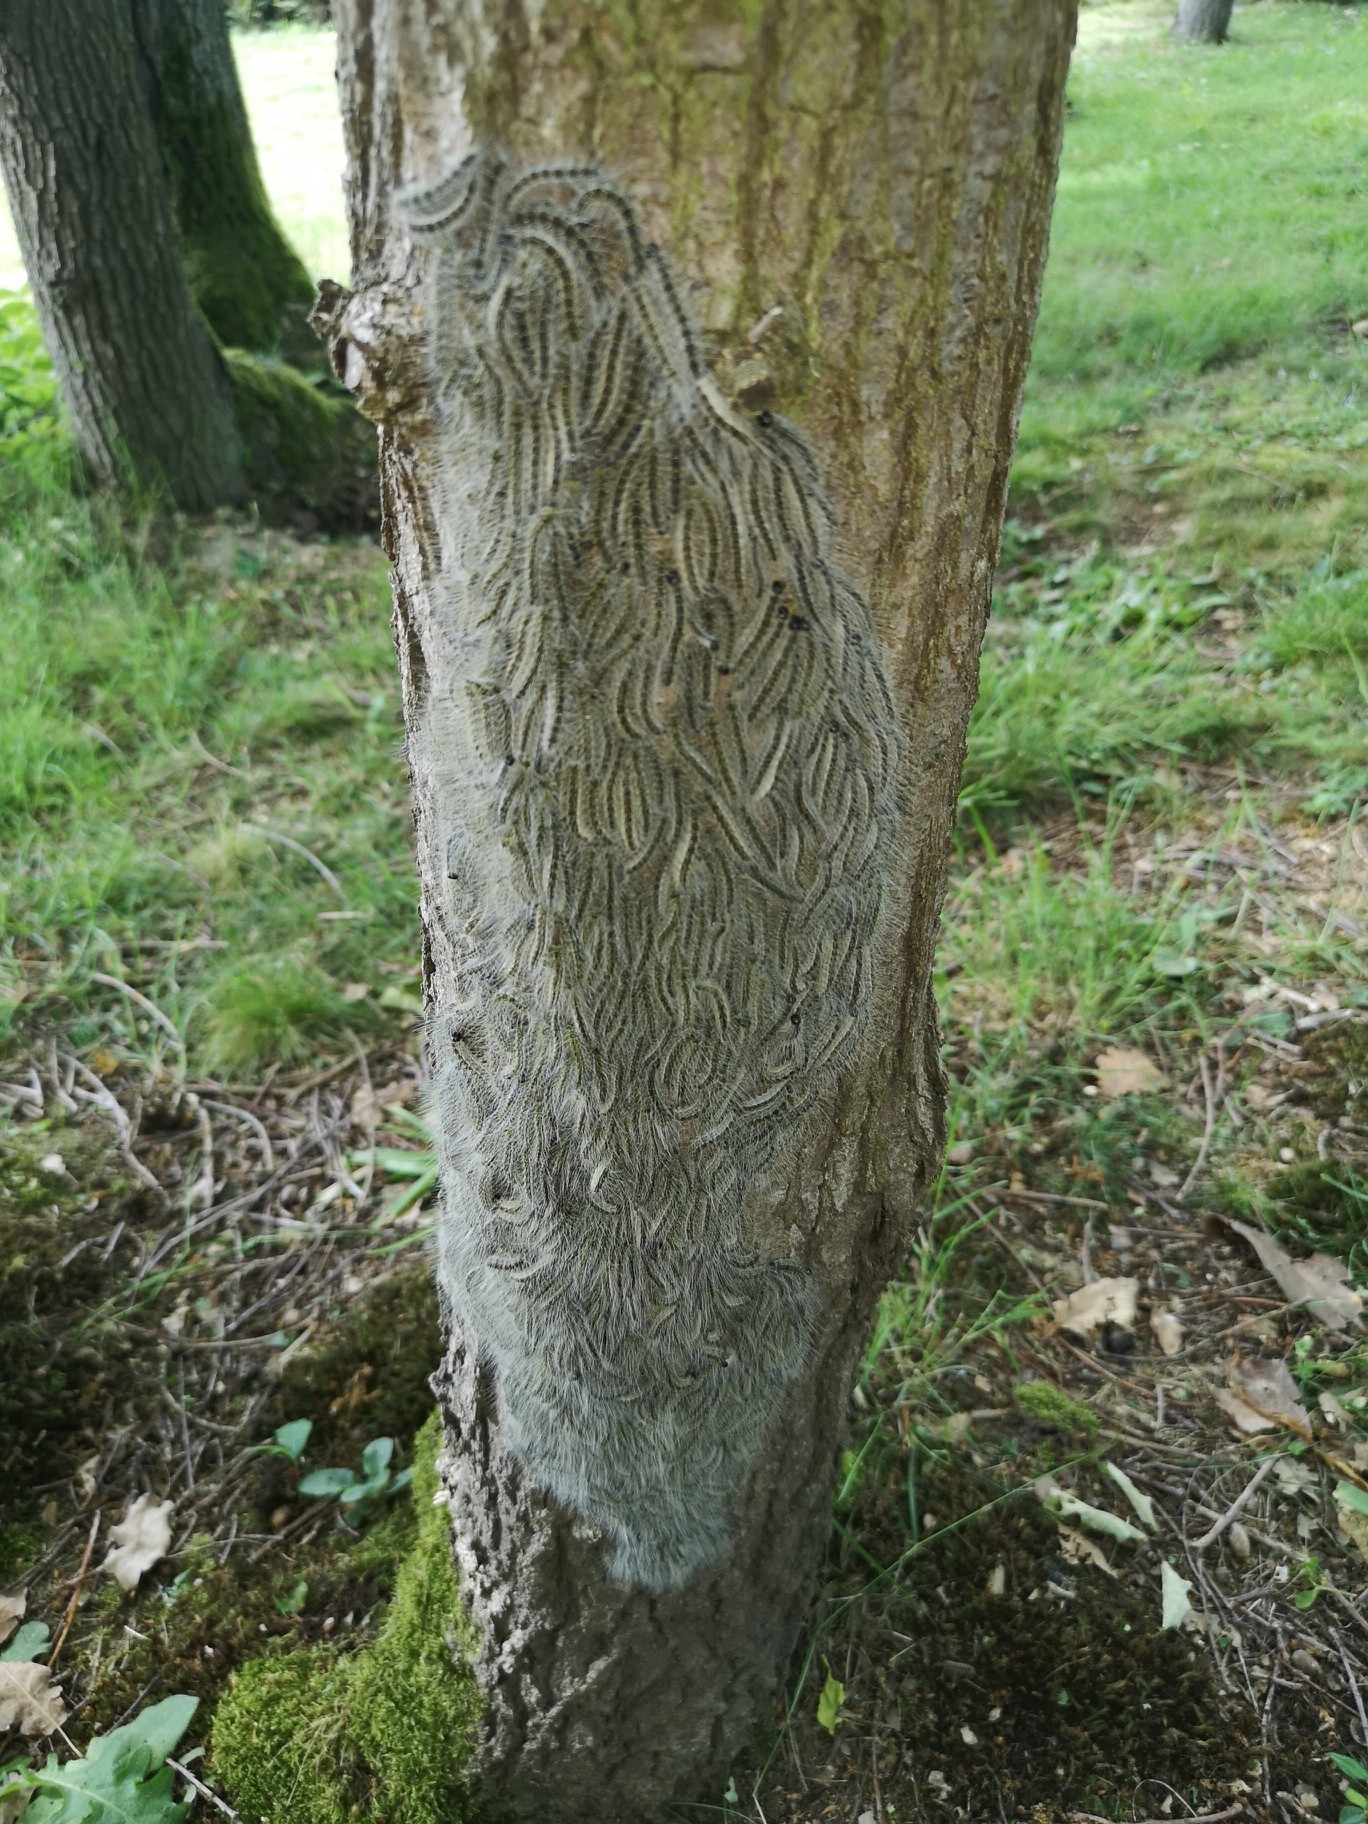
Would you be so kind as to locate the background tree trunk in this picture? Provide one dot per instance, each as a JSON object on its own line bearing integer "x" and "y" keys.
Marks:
{"x": 245, "y": 276}
{"x": 884, "y": 176}
{"x": 144, "y": 387}
{"x": 1203, "y": 21}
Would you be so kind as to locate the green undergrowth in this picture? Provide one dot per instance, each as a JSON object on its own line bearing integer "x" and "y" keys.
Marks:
{"x": 381, "y": 1734}
{"x": 200, "y": 790}
{"x": 1101, "y": 675}
{"x": 1195, "y": 378}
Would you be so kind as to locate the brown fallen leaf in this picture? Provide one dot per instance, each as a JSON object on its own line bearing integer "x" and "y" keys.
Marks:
{"x": 141, "y": 1538}
{"x": 1123, "y": 1071}
{"x": 1319, "y": 1282}
{"x": 1262, "y": 1396}
{"x": 1103, "y": 1301}
{"x": 1355, "y": 1525}
{"x": 1168, "y": 1332}
{"x": 1077, "y": 1548}
{"x": 12, "y": 1609}
{"x": 29, "y": 1698}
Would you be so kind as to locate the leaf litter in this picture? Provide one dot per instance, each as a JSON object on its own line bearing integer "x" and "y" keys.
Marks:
{"x": 140, "y": 1540}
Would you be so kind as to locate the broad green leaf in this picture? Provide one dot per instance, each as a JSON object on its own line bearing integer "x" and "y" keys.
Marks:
{"x": 29, "y": 1642}
{"x": 1348, "y": 1765}
{"x": 121, "y": 1779}
{"x": 326, "y": 1481}
{"x": 293, "y": 1437}
{"x": 829, "y": 1703}
{"x": 358, "y": 1492}
{"x": 1349, "y": 1496}
{"x": 294, "y": 1602}
{"x": 375, "y": 1458}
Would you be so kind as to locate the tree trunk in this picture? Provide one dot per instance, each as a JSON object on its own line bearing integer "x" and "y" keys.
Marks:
{"x": 245, "y": 276}
{"x": 854, "y": 204}
{"x": 143, "y": 385}
{"x": 1203, "y": 21}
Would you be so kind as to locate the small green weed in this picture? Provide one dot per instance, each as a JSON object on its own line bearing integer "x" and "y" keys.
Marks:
{"x": 121, "y": 1776}
{"x": 1355, "y": 1808}
{"x": 359, "y": 1493}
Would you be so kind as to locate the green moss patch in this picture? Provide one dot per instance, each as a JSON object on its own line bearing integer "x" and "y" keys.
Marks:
{"x": 383, "y": 1733}
{"x": 308, "y": 449}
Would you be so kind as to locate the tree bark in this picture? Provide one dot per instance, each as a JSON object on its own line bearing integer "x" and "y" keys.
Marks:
{"x": 1203, "y": 21}
{"x": 144, "y": 387}
{"x": 856, "y": 201}
{"x": 245, "y": 276}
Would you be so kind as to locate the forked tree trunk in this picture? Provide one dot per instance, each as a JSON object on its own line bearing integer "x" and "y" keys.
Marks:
{"x": 246, "y": 278}
{"x": 1203, "y": 21}
{"x": 854, "y": 201}
{"x": 143, "y": 384}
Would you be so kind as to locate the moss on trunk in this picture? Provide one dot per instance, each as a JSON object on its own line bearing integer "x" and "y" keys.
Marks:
{"x": 383, "y": 1734}
{"x": 308, "y": 450}
{"x": 246, "y": 278}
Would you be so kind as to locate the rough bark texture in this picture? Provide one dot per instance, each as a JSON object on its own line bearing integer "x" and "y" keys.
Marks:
{"x": 143, "y": 385}
{"x": 1203, "y": 21}
{"x": 246, "y": 278}
{"x": 884, "y": 175}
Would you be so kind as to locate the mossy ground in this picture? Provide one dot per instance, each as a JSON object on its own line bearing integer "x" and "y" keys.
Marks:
{"x": 381, "y": 1732}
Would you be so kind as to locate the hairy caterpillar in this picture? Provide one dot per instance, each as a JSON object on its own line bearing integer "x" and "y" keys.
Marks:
{"x": 666, "y": 768}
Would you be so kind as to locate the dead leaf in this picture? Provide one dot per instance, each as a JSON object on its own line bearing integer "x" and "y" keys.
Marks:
{"x": 1262, "y": 1396}
{"x": 1104, "y": 1301}
{"x": 12, "y": 1611}
{"x": 1294, "y": 1477}
{"x": 1168, "y": 1332}
{"x": 29, "y": 1698}
{"x": 1244, "y": 1416}
{"x": 1261, "y": 1098}
{"x": 1319, "y": 1282}
{"x": 1332, "y": 1411}
{"x": 140, "y": 1539}
{"x": 1355, "y": 1526}
{"x": 1122, "y": 1071}
{"x": 1175, "y": 1591}
{"x": 1064, "y": 1505}
{"x": 1142, "y": 1504}
{"x": 1079, "y": 1549}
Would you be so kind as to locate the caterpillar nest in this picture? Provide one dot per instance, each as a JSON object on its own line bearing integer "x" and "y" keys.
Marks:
{"x": 665, "y": 765}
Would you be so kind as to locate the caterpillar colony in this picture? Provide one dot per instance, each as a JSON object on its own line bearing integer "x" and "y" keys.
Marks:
{"x": 665, "y": 767}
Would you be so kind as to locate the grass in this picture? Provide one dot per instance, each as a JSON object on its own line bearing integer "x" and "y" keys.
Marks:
{"x": 1161, "y": 845}
{"x": 199, "y": 785}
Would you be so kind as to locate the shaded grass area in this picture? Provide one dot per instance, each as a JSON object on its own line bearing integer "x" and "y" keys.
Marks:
{"x": 200, "y": 787}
